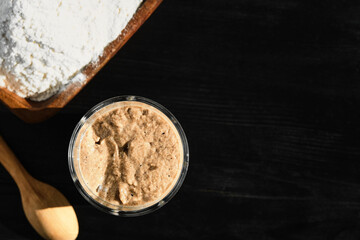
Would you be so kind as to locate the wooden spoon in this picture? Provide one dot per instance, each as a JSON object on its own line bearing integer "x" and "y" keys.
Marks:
{"x": 47, "y": 210}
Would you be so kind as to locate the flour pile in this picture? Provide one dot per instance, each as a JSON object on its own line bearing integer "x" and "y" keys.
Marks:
{"x": 44, "y": 44}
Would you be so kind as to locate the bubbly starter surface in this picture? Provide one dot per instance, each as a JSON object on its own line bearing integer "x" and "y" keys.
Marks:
{"x": 130, "y": 155}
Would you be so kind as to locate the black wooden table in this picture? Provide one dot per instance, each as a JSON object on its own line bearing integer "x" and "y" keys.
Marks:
{"x": 268, "y": 93}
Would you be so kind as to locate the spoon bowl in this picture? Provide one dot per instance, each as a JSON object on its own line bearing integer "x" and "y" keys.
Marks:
{"x": 45, "y": 206}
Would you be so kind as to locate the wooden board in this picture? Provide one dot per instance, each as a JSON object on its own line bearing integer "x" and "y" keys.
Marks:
{"x": 33, "y": 112}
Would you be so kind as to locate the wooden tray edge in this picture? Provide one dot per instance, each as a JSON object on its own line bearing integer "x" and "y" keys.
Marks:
{"x": 35, "y": 112}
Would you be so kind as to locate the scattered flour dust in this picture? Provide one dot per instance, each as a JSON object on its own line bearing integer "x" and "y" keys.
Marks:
{"x": 44, "y": 44}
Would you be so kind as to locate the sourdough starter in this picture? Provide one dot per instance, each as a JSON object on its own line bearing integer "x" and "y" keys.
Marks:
{"x": 130, "y": 154}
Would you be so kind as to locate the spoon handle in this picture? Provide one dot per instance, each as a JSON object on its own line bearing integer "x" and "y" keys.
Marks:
{"x": 12, "y": 165}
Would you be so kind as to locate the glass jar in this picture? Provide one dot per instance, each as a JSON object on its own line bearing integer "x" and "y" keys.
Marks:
{"x": 74, "y": 158}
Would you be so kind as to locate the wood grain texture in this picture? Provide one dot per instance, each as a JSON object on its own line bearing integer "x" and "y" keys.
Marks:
{"x": 33, "y": 112}
{"x": 268, "y": 95}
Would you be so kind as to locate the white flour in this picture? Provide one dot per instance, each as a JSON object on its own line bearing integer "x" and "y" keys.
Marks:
{"x": 44, "y": 44}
